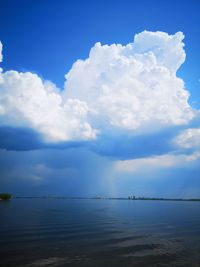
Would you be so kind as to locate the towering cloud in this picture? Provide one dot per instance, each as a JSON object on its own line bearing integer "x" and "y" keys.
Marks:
{"x": 133, "y": 88}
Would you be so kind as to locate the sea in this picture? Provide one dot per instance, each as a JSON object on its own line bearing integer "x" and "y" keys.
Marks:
{"x": 99, "y": 233}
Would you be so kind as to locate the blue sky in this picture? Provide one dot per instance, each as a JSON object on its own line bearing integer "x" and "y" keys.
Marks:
{"x": 118, "y": 122}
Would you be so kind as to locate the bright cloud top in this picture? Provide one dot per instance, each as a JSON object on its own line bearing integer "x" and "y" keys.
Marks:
{"x": 132, "y": 87}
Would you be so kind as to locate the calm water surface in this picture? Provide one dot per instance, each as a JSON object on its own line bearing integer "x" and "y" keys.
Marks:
{"x": 61, "y": 232}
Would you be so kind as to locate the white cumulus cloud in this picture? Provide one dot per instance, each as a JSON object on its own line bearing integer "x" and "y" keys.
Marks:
{"x": 132, "y": 87}
{"x": 189, "y": 138}
{"x": 25, "y": 100}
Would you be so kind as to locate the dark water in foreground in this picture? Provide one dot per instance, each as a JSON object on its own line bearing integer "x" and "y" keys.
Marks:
{"x": 56, "y": 232}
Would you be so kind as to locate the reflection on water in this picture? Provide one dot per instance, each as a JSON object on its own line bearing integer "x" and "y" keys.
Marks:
{"x": 61, "y": 232}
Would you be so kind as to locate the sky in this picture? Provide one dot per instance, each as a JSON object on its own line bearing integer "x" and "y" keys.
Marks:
{"x": 100, "y": 98}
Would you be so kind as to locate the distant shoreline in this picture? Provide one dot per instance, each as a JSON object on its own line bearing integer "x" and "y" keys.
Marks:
{"x": 108, "y": 198}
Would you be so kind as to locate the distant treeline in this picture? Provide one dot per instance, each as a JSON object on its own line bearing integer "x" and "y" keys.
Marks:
{"x": 8, "y": 196}
{"x": 5, "y": 196}
{"x": 161, "y": 198}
